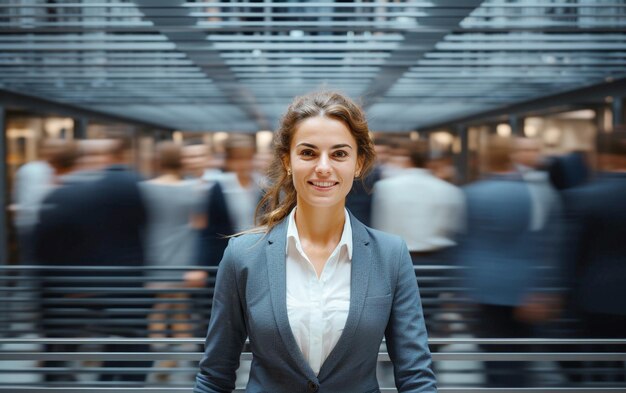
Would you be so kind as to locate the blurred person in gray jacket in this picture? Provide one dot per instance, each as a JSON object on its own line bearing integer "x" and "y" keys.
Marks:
{"x": 172, "y": 204}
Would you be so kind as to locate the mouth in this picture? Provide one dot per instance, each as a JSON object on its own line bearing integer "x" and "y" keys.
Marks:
{"x": 323, "y": 185}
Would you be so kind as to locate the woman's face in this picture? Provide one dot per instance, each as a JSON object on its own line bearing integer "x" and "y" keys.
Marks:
{"x": 323, "y": 159}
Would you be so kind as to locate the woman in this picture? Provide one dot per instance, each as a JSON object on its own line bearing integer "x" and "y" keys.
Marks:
{"x": 316, "y": 291}
{"x": 173, "y": 205}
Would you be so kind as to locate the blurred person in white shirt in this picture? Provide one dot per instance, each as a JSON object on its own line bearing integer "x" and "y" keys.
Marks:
{"x": 427, "y": 213}
{"x": 33, "y": 181}
{"x": 424, "y": 210}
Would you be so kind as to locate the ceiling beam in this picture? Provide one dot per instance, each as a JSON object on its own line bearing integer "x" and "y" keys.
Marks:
{"x": 219, "y": 72}
{"x": 587, "y": 94}
{"x": 389, "y": 76}
{"x": 13, "y": 100}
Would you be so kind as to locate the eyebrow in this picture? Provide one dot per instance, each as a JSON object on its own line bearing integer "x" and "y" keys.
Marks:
{"x": 315, "y": 147}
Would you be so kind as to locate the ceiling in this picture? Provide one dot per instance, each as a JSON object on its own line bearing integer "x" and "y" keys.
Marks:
{"x": 235, "y": 65}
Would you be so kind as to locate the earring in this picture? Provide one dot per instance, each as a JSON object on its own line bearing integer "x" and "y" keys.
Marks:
{"x": 288, "y": 171}
{"x": 357, "y": 174}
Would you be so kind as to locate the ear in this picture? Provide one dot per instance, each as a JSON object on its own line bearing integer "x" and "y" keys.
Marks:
{"x": 286, "y": 162}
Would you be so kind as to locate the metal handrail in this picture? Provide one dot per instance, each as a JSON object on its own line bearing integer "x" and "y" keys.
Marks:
{"x": 431, "y": 341}
{"x": 382, "y": 356}
{"x": 104, "y": 268}
{"x": 21, "y": 389}
{"x": 165, "y": 268}
{"x": 581, "y": 349}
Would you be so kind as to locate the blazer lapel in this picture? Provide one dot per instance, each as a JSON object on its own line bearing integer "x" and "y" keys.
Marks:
{"x": 275, "y": 253}
{"x": 361, "y": 265}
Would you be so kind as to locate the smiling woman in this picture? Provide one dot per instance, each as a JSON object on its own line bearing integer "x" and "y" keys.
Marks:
{"x": 314, "y": 289}
{"x": 306, "y": 114}
{"x": 323, "y": 163}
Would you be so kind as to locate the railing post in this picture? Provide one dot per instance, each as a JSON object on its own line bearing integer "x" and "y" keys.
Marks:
{"x": 517, "y": 126}
{"x": 80, "y": 127}
{"x": 617, "y": 107}
{"x": 4, "y": 193}
{"x": 463, "y": 155}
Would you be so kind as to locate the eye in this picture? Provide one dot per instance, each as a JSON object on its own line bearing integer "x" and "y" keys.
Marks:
{"x": 307, "y": 153}
{"x": 340, "y": 154}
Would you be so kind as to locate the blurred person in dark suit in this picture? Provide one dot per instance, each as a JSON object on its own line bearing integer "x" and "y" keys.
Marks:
{"x": 548, "y": 209}
{"x": 568, "y": 170}
{"x": 597, "y": 220}
{"x": 507, "y": 262}
{"x": 97, "y": 220}
{"x": 360, "y": 198}
{"x": 118, "y": 217}
{"x": 56, "y": 242}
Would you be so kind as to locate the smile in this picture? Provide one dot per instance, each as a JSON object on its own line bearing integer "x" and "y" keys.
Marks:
{"x": 323, "y": 184}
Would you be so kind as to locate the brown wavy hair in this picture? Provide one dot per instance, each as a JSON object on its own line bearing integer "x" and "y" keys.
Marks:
{"x": 280, "y": 197}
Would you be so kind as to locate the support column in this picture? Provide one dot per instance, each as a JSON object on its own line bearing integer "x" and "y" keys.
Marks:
{"x": 80, "y": 127}
{"x": 617, "y": 107}
{"x": 463, "y": 156}
{"x": 517, "y": 126}
{"x": 600, "y": 120}
{"x": 4, "y": 187}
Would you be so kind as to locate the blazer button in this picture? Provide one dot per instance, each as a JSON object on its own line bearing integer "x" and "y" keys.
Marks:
{"x": 312, "y": 387}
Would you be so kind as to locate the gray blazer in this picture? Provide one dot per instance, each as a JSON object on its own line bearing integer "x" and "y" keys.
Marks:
{"x": 250, "y": 301}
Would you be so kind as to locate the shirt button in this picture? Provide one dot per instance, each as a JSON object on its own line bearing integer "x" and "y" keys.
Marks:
{"x": 312, "y": 387}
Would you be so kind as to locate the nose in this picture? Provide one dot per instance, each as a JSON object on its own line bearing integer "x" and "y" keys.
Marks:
{"x": 323, "y": 164}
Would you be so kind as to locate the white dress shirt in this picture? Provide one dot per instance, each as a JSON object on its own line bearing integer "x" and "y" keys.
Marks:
{"x": 545, "y": 201}
{"x": 424, "y": 210}
{"x": 33, "y": 181}
{"x": 318, "y": 307}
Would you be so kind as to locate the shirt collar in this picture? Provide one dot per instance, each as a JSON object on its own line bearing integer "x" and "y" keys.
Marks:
{"x": 292, "y": 233}
{"x": 421, "y": 171}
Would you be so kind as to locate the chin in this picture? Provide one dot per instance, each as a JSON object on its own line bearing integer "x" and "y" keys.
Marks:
{"x": 323, "y": 203}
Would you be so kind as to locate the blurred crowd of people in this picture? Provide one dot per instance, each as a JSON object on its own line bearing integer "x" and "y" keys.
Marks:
{"x": 83, "y": 205}
{"x": 536, "y": 243}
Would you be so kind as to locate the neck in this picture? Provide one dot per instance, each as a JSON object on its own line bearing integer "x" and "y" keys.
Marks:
{"x": 320, "y": 226}
{"x": 169, "y": 177}
{"x": 62, "y": 171}
{"x": 502, "y": 171}
{"x": 244, "y": 179}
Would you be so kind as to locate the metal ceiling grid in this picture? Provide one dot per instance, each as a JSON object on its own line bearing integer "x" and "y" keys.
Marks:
{"x": 513, "y": 51}
{"x": 235, "y": 65}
